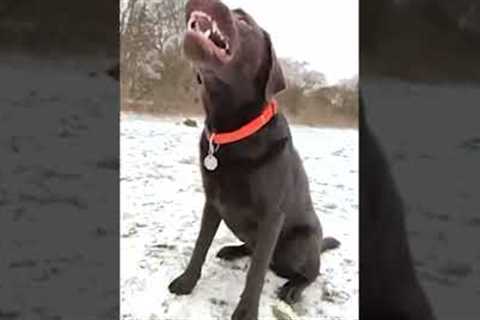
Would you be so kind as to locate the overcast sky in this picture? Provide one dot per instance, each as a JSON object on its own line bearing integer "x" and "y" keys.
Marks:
{"x": 323, "y": 33}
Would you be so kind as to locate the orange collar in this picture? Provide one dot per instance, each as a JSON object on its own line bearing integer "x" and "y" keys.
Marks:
{"x": 246, "y": 130}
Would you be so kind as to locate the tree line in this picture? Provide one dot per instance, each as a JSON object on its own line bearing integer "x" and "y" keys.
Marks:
{"x": 157, "y": 79}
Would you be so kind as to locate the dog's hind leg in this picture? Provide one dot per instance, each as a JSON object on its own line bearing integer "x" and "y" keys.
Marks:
{"x": 291, "y": 291}
{"x": 234, "y": 252}
{"x": 298, "y": 260}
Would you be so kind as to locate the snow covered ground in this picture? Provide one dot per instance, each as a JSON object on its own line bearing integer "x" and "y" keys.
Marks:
{"x": 57, "y": 188}
{"x": 161, "y": 201}
{"x": 431, "y": 134}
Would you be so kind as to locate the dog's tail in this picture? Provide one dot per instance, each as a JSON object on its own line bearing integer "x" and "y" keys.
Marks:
{"x": 329, "y": 243}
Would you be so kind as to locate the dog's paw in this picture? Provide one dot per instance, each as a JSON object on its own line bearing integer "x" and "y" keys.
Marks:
{"x": 290, "y": 293}
{"x": 233, "y": 252}
{"x": 184, "y": 284}
{"x": 245, "y": 312}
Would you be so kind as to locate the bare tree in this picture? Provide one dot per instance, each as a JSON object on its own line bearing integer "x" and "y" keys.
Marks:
{"x": 151, "y": 37}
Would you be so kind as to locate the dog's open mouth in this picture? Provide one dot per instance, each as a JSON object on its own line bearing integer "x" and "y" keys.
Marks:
{"x": 203, "y": 33}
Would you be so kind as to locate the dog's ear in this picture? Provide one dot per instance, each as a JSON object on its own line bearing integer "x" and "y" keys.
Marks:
{"x": 275, "y": 79}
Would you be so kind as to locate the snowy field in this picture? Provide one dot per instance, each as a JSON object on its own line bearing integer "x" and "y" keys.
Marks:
{"x": 57, "y": 189}
{"x": 161, "y": 201}
{"x": 431, "y": 134}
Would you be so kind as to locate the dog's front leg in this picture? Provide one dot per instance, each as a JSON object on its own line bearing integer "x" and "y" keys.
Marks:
{"x": 267, "y": 235}
{"x": 185, "y": 283}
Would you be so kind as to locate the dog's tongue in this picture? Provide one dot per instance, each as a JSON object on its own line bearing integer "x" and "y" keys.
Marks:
{"x": 204, "y": 24}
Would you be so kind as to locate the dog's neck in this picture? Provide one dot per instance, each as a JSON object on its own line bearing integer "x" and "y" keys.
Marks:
{"x": 220, "y": 121}
{"x": 228, "y": 111}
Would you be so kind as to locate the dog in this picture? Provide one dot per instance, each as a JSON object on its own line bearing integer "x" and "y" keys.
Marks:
{"x": 389, "y": 285}
{"x": 253, "y": 177}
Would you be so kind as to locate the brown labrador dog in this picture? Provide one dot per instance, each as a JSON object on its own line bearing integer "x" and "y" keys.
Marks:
{"x": 257, "y": 184}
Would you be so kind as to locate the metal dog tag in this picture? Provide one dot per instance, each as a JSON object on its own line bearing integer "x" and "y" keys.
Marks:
{"x": 210, "y": 162}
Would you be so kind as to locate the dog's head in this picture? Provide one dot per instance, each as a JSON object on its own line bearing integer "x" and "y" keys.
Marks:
{"x": 229, "y": 46}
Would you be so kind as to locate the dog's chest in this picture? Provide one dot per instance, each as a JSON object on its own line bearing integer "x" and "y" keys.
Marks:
{"x": 235, "y": 201}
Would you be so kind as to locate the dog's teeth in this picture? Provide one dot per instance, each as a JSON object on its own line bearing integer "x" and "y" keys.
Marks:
{"x": 217, "y": 31}
{"x": 208, "y": 33}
